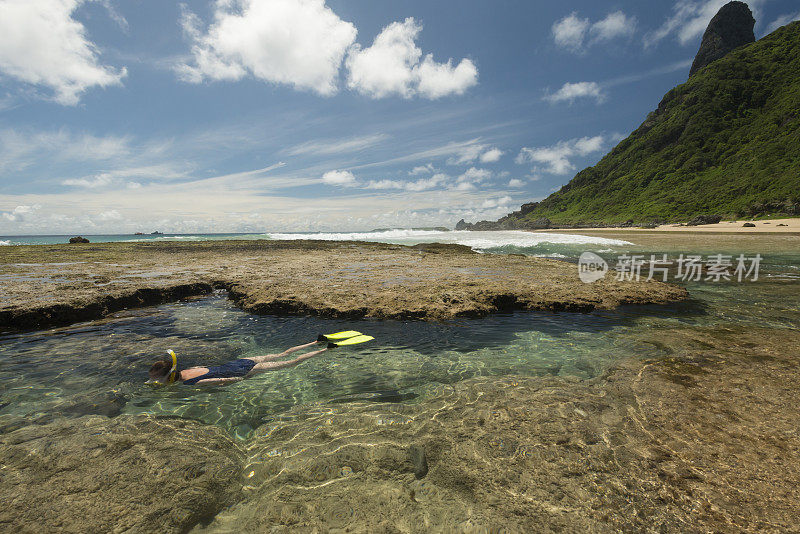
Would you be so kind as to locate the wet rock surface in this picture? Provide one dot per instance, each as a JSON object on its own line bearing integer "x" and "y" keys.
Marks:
{"x": 704, "y": 441}
{"x": 51, "y": 285}
{"x": 127, "y": 474}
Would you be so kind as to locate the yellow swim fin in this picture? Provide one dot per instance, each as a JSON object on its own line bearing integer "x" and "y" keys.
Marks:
{"x": 350, "y": 341}
{"x": 338, "y": 335}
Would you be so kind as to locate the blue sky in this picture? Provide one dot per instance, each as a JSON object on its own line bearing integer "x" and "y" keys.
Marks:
{"x": 296, "y": 115}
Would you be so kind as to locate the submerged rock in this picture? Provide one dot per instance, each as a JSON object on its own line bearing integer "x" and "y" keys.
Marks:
{"x": 128, "y": 474}
{"x": 730, "y": 28}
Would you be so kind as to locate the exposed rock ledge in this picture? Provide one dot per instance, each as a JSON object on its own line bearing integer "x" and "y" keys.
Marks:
{"x": 52, "y": 285}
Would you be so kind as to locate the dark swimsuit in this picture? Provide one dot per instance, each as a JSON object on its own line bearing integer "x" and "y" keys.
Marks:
{"x": 233, "y": 369}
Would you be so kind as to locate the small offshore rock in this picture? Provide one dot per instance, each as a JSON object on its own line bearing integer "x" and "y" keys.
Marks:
{"x": 78, "y": 239}
{"x": 704, "y": 219}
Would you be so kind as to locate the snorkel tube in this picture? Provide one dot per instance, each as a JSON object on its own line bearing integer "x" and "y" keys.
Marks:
{"x": 172, "y": 375}
{"x": 173, "y": 372}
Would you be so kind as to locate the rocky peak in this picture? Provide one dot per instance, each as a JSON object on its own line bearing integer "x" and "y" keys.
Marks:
{"x": 730, "y": 28}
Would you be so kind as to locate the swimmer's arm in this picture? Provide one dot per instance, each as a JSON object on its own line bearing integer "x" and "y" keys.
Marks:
{"x": 218, "y": 381}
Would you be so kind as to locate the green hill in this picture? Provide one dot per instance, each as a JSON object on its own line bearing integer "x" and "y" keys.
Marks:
{"x": 725, "y": 142}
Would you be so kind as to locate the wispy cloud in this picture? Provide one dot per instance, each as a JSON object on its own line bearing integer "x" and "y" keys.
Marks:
{"x": 689, "y": 20}
{"x": 783, "y": 20}
{"x": 336, "y": 146}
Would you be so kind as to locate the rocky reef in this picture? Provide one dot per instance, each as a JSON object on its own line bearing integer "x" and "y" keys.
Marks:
{"x": 127, "y": 474}
{"x": 730, "y": 28}
{"x": 52, "y": 285}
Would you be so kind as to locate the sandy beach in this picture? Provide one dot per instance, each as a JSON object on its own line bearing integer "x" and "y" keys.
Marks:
{"x": 772, "y": 226}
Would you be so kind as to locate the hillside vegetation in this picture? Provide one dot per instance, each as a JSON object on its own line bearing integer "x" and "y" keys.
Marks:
{"x": 726, "y": 142}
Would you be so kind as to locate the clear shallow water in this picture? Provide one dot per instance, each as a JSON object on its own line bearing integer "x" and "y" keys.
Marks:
{"x": 100, "y": 367}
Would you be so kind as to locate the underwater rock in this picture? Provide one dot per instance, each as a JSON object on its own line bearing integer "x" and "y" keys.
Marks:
{"x": 416, "y": 454}
{"x": 634, "y": 450}
{"x": 127, "y": 474}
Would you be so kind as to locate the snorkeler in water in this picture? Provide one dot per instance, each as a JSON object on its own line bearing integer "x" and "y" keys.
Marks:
{"x": 166, "y": 371}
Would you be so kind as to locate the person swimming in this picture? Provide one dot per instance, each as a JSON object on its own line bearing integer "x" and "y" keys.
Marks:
{"x": 166, "y": 372}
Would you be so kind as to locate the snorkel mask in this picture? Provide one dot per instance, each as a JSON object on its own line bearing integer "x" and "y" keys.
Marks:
{"x": 172, "y": 375}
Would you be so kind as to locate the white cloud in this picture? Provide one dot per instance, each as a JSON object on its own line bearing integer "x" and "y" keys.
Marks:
{"x": 18, "y": 214}
{"x": 344, "y": 178}
{"x": 690, "y": 19}
{"x": 296, "y": 42}
{"x": 515, "y": 183}
{"x": 495, "y": 202}
{"x": 570, "y": 32}
{"x": 421, "y": 169}
{"x": 556, "y": 159}
{"x": 783, "y": 20}
{"x": 337, "y": 146}
{"x": 575, "y": 33}
{"x": 492, "y": 155}
{"x": 110, "y": 215}
{"x": 101, "y": 180}
{"x": 41, "y": 44}
{"x": 570, "y": 92}
{"x": 466, "y": 152}
{"x": 475, "y": 175}
{"x": 391, "y": 66}
{"x": 423, "y": 184}
{"x": 616, "y": 24}
{"x": 21, "y": 149}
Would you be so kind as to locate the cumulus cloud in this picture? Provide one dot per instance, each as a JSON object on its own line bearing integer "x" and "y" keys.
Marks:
{"x": 575, "y": 33}
{"x": 475, "y": 175}
{"x": 556, "y": 159}
{"x": 421, "y": 169}
{"x": 570, "y": 92}
{"x": 690, "y": 19}
{"x": 19, "y": 213}
{"x": 392, "y": 66}
{"x": 492, "y": 155}
{"x": 473, "y": 150}
{"x": 423, "y": 184}
{"x": 42, "y": 45}
{"x": 345, "y": 178}
{"x": 783, "y": 20}
{"x": 515, "y": 183}
{"x": 296, "y": 42}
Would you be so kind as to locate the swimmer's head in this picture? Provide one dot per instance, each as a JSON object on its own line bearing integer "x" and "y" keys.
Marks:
{"x": 164, "y": 371}
{"x": 160, "y": 370}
